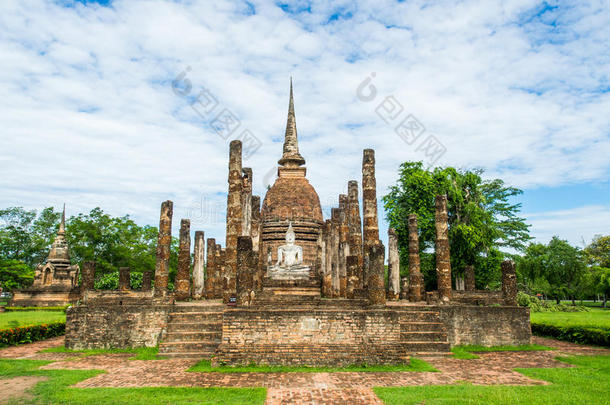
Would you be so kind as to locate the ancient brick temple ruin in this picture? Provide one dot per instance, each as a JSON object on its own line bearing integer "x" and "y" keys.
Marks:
{"x": 55, "y": 280}
{"x": 291, "y": 287}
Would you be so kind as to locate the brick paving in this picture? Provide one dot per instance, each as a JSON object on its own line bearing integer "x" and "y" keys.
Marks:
{"x": 314, "y": 388}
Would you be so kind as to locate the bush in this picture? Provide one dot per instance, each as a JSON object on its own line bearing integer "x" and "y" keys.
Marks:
{"x": 537, "y": 305}
{"x": 574, "y": 334}
{"x": 110, "y": 281}
{"x": 29, "y": 334}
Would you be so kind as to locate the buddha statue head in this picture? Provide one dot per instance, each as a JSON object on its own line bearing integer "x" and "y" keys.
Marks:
{"x": 290, "y": 236}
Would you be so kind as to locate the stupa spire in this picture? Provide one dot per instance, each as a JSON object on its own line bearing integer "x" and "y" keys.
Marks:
{"x": 62, "y": 224}
{"x": 291, "y": 156}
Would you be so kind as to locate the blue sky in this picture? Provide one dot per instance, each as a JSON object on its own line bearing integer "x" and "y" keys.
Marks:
{"x": 105, "y": 103}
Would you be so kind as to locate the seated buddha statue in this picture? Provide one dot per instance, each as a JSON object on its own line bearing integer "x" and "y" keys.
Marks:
{"x": 289, "y": 255}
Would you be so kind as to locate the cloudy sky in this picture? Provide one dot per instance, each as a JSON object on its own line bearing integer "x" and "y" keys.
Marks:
{"x": 125, "y": 104}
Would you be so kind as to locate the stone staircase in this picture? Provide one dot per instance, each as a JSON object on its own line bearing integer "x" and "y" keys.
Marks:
{"x": 193, "y": 330}
{"x": 422, "y": 332}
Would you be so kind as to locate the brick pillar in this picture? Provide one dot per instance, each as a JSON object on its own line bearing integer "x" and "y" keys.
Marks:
{"x": 223, "y": 278}
{"x": 355, "y": 234}
{"x": 245, "y": 272}
{"x": 146, "y": 280}
{"x": 393, "y": 265}
{"x": 124, "y": 279}
{"x": 256, "y": 221}
{"x": 370, "y": 228}
{"x": 198, "y": 265}
{"x": 210, "y": 269}
{"x": 443, "y": 262}
{"x": 328, "y": 256}
{"x": 219, "y": 268}
{"x": 343, "y": 245}
{"x": 334, "y": 231}
{"x": 469, "y": 284}
{"x": 246, "y": 202}
{"x": 509, "y": 283}
{"x": 416, "y": 280}
{"x": 234, "y": 219}
{"x": 351, "y": 263}
{"x": 376, "y": 282}
{"x": 404, "y": 288}
{"x": 88, "y": 276}
{"x": 163, "y": 249}
{"x": 182, "y": 286}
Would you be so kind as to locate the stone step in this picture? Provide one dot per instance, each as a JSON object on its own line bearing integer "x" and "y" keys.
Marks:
{"x": 194, "y": 326}
{"x": 189, "y": 355}
{"x": 190, "y": 317}
{"x": 419, "y": 347}
{"x": 187, "y": 347}
{"x": 202, "y": 336}
{"x": 433, "y": 354}
{"x": 423, "y": 336}
{"x": 422, "y": 327}
{"x": 419, "y": 316}
{"x": 211, "y": 307}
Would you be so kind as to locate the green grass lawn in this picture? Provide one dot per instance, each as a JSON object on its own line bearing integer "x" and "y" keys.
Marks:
{"x": 140, "y": 353}
{"x": 466, "y": 351}
{"x": 57, "y": 390}
{"x": 596, "y": 318}
{"x": 28, "y": 318}
{"x": 204, "y": 366}
{"x": 588, "y": 383}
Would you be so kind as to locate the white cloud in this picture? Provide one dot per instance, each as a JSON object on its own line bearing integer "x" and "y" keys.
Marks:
{"x": 89, "y": 117}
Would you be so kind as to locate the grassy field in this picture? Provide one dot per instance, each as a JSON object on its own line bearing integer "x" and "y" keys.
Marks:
{"x": 56, "y": 389}
{"x": 466, "y": 351}
{"x": 140, "y": 353}
{"x": 596, "y": 318}
{"x": 28, "y": 318}
{"x": 588, "y": 383}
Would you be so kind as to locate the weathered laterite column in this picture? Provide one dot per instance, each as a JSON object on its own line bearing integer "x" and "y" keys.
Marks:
{"x": 246, "y": 202}
{"x": 416, "y": 280}
{"x": 183, "y": 276}
{"x": 355, "y": 234}
{"x": 223, "y": 279}
{"x": 210, "y": 268}
{"x": 88, "y": 276}
{"x": 256, "y": 221}
{"x": 327, "y": 287}
{"x": 163, "y": 249}
{"x": 509, "y": 283}
{"x": 351, "y": 263}
{"x": 376, "y": 281}
{"x": 469, "y": 284}
{"x": 343, "y": 245}
{"x": 393, "y": 265}
{"x": 443, "y": 262}
{"x": 219, "y": 260}
{"x": 234, "y": 219}
{"x": 245, "y": 273}
{"x": 124, "y": 279}
{"x": 370, "y": 227}
{"x": 404, "y": 288}
{"x": 198, "y": 266}
{"x": 146, "y": 279}
{"x": 336, "y": 283}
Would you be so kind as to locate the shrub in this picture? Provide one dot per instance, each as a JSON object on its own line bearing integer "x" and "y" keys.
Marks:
{"x": 29, "y": 334}
{"x": 574, "y": 334}
{"x": 537, "y": 305}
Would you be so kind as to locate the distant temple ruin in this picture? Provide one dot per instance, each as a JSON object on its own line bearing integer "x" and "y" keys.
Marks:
{"x": 290, "y": 287}
{"x": 55, "y": 280}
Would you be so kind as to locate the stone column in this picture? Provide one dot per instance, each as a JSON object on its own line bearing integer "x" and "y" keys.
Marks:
{"x": 336, "y": 283}
{"x": 210, "y": 268}
{"x": 443, "y": 262}
{"x": 182, "y": 285}
{"x": 223, "y": 279}
{"x": 198, "y": 264}
{"x": 343, "y": 245}
{"x": 124, "y": 279}
{"x": 256, "y": 221}
{"x": 404, "y": 288}
{"x": 234, "y": 218}
{"x": 351, "y": 263}
{"x": 393, "y": 265}
{"x": 146, "y": 279}
{"x": 219, "y": 256}
{"x": 163, "y": 249}
{"x": 370, "y": 229}
{"x": 246, "y": 202}
{"x": 469, "y": 284}
{"x": 509, "y": 283}
{"x": 328, "y": 256}
{"x": 88, "y": 276}
{"x": 245, "y": 274}
{"x": 416, "y": 280}
{"x": 376, "y": 282}
{"x": 355, "y": 233}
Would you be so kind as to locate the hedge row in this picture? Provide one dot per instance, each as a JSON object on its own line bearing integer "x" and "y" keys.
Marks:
{"x": 19, "y": 309}
{"x": 574, "y": 334}
{"x": 29, "y": 334}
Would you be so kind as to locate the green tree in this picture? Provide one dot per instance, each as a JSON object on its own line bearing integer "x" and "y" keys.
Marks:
{"x": 598, "y": 251}
{"x": 482, "y": 218}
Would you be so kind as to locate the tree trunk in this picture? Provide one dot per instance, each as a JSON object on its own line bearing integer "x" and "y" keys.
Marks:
{"x": 558, "y": 300}
{"x": 605, "y": 300}
{"x": 573, "y": 301}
